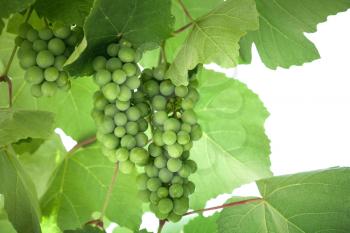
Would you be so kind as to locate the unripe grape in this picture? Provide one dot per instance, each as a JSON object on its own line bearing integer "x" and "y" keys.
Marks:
{"x": 144, "y": 195}
{"x": 133, "y": 114}
{"x": 143, "y": 108}
{"x": 62, "y": 32}
{"x": 56, "y": 46}
{"x": 126, "y": 54}
{"x": 188, "y": 146}
{"x": 39, "y": 45}
{"x": 100, "y": 103}
{"x": 160, "y": 162}
{"x": 154, "y": 198}
{"x": 113, "y": 64}
{"x": 187, "y": 103}
{"x": 111, "y": 91}
{"x": 111, "y": 141}
{"x": 122, "y": 105}
{"x": 32, "y": 35}
{"x": 126, "y": 167}
{"x": 51, "y": 74}
{"x": 177, "y": 180}
{"x": 189, "y": 116}
{"x": 186, "y": 127}
{"x": 151, "y": 171}
{"x": 174, "y": 217}
{"x": 74, "y": 38}
{"x": 151, "y": 88}
{"x": 130, "y": 69}
{"x": 102, "y": 77}
{"x": 159, "y": 72}
{"x": 160, "y": 117}
{"x": 141, "y": 139}
{"x": 181, "y": 91}
{"x": 23, "y": 29}
{"x": 110, "y": 154}
{"x": 143, "y": 124}
{"x": 119, "y": 76}
{"x": 181, "y": 205}
{"x": 192, "y": 164}
{"x": 154, "y": 150}
{"x": 125, "y": 43}
{"x": 48, "y": 88}
{"x": 112, "y": 49}
{"x": 36, "y": 90}
{"x": 176, "y": 190}
{"x": 122, "y": 154}
{"x": 189, "y": 188}
{"x": 132, "y": 128}
{"x": 166, "y": 88}
{"x": 165, "y": 205}
{"x": 45, "y": 59}
{"x": 28, "y": 59}
{"x": 193, "y": 94}
{"x": 45, "y": 34}
{"x": 133, "y": 82}
{"x": 141, "y": 181}
{"x": 169, "y": 137}
{"x": 59, "y": 62}
{"x": 185, "y": 171}
{"x": 99, "y": 63}
{"x": 128, "y": 141}
{"x": 110, "y": 110}
{"x": 158, "y": 138}
{"x": 97, "y": 116}
{"x": 196, "y": 132}
{"x": 34, "y": 75}
{"x": 172, "y": 124}
{"x": 174, "y": 165}
{"x": 185, "y": 155}
{"x": 183, "y": 137}
{"x": 139, "y": 156}
{"x": 125, "y": 93}
{"x": 159, "y": 102}
{"x": 153, "y": 184}
{"x": 120, "y": 119}
{"x": 165, "y": 175}
{"x": 175, "y": 150}
{"x": 162, "y": 192}
{"x": 119, "y": 131}
{"x": 107, "y": 125}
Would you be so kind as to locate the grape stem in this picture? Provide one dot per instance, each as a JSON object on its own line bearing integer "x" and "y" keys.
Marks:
{"x": 161, "y": 225}
{"x": 187, "y": 13}
{"x": 183, "y": 28}
{"x": 162, "y": 54}
{"x": 83, "y": 143}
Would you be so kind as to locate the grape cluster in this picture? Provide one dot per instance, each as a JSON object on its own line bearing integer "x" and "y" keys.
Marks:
{"x": 165, "y": 182}
{"x": 119, "y": 110}
{"x": 42, "y": 53}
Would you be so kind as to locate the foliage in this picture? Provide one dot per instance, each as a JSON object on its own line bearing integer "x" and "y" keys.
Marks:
{"x": 45, "y": 188}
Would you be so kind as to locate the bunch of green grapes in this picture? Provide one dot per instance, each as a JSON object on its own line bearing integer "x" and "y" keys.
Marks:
{"x": 42, "y": 55}
{"x": 165, "y": 184}
{"x": 119, "y": 112}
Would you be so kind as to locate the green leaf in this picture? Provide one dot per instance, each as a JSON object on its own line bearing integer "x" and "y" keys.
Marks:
{"x": 41, "y": 163}
{"x": 280, "y": 39}
{"x": 79, "y": 187}
{"x": 317, "y": 201}
{"x": 9, "y": 7}
{"x": 21, "y": 203}
{"x": 234, "y": 149}
{"x": 214, "y": 38}
{"x": 143, "y": 22}
{"x": 21, "y": 124}
{"x": 202, "y": 224}
{"x": 68, "y": 12}
{"x": 17, "y": 19}
{"x": 86, "y": 229}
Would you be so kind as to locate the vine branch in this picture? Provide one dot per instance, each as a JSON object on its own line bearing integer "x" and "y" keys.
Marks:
{"x": 183, "y": 28}
{"x": 83, "y": 143}
{"x": 187, "y": 13}
{"x": 161, "y": 225}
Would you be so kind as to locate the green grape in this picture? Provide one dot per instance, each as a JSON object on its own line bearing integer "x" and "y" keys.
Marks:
{"x": 169, "y": 137}
{"x": 120, "y": 119}
{"x": 65, "y": 87}
{"x": 19, "y": 40}
{"x": 154, "y": 150}
{"x": 28, "y": 59}
{"x": 151, "y": 88}
{"x": 158, "y": 138}
{"x": 172, "y": 124}
{"x": 165, "y": 205}
{"x": 160, "y": 162}
{"x": 128, "y": 141}
{"x": 186, "y": 127}
{"x": 187, "y": 103}
{"x": 166, "y": 88}
{"x": 196, "y": 132}
{"x": 175, "y": 150}
{"x": 51, "y": 74}
{"x": 122, "y": 105}
{"x": 144, "y": 195}
{"x": 39, "y": 45}
{"x": 153, "y": 184}
{"x": 112, "y": 49}
{"x": 185, "y": 155}
{"x": 122, "y": 154}
{"x": 59, "y": 62}
{"x": 100, "y": 103}
{"x": 48, "y": 89}
{"x": 143, "y": 125}
{"x": 159, "y": 72}
{"x": 181, "y": 91}
{"x": 45, "y": 59}
{"x": 154, "y": 198}
{"x": 34, "y": 75}
{"x": 139, "y": 96}
{"x": 110, "y": 110}
{"x": 126, "y": 54}
{"x": 192, "y": 164}
{"x": 151, "y": 171}
{"x": 119, "y": 131}
{"x": 119, "y": 76}
{"x": 133, "y": 114}
{"x": 23, "y": 29}
{"x": 174, "y": 165}
{"x": 126, "y": 167}
{"x": 193, "y": 94}
{"x": 181, "y": 205}
{"x": 102, "y": 77}
{"x": 141, "y": 139}
{"x": 143, "y": 108}
{"x": 160, "y": 215}
{"x": 139, "y": 156}
{"x": 189, "y": 116}
{"x": 125, "y": 93}
{"x": 62, "y": 32}
{"x": 97, "y": 116}
{"x": 32, "y": 35}
{"x": 133, "y": 82}
{"x": 189, "y": 188}
{"x": 45, "y": 34}
{"x": 56, "y": 46}
{"x": 160, "y": 117}
{"x": 159, "y": 102}
{"x": 188, "y": 146}
{"x": 26, "y": 44}
{"x": 177, "y": 180}
{"x": 99, "y": 63}
{"x": 107, "y": 125}
{"x": 36, "y": 90}
{"x": 113, "y": 64}
{"x": 165, "y": 175}
{"x": 111, "y": 141}
{"x": 110, "y": 154}
{"x": 125, "y": 43}
{"x": 132, "y": 128}
{"x": 183, "y": 137}
{"x": 176, "y": 190}
{"x": 162, "y": 192}
{"x": 111, "y": 91}
{"x": 185, "y": 171}
{"x": 174, "y": 217}
{"x": 74, "y": 38}
{"x": 130, "y": 69}
{"x": 141, "y": 181}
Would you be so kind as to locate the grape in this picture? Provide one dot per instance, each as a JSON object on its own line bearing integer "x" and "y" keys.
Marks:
{"x": 36, "y": 90}
{"x": 122, "y": 154}
{"x": 45, "y": 58}
{"x": 154, "y": 150}
{"x": 51, "y": 74}
{"x": 32, "y": 35}
{"x": 183, "y": 137}
{"x": 175, "y": 150}
{"x": 141, "y": 139}
{"x": 189, "y": 188}
{"x": 23, "y": 29}
{"x": 100, "y": 103}
{"x": 165, "y": 205}
{"x": 111, "y": 91}
{"x": 120, "y": 119}
{"x": 139, "y": 156}
{"x": 110, "y": 110}
{"x": 158, "y": 138}
{"x": 154, "y": 198}
{"x": 174, "y": 165}
{"x": 160, "y": 117}
{"x": 193, "y": 94}
{"x": 188, "y": 146}
{"x": 119, "y": 131}
{"x": 48, "y": 89}
{"x": 196, "y": 132}
{"x": 125, "y": 43}
{"x": 62, "y": 32}
{"x": 119, "y": 76}
{"x": 165, "y": 175}
{"x": 143, "y": 125}
{"x": 126, "y": 54}
{"x": 125, "y": 93}
{"x": 56, "y": 46}
{"x": 122, "y": 105}
{"x": 39, "y": 45}
{"x": 181, "y": 205}
{"x": 160, "y": 162}
{"x": 153, "y": 184}
{"x": 111, "y": 141}
{"x": 113, "y": 64}
{"x": 102, "y": 77}
{"x": 73, "y": 39}
{"x": 141, "y": 181}
{"x": 159, "y": 102}
{"x": 144, "y": 195}
{"x": 19, "y": 40}
{"x": 45, "y": 34}
{"x": 126, "y": 167}
{"x": 185, "y": 155}
{"x": 59, "y": 62}
{"x": 169, "y": 137}
{"x": 143, "y": 108}
{"x": 151, "y": 171}
{"x": 177, "y": 180}
{"x": 174, "y": 217}
{"x": 172, "y": 124}
{"x": 181, "y": 91}
{"x": 189, "y": 117}
{"x": 130, "y": 69}
{"x": 107, "y": 125}
{"x": 34, "y": 75}
{"x": 128, "y": 141}
{"x": 133, "y": 114}
{"x": 185, "y": 171}
{"x": 159, "y": 72}
{"x": 186, "y": 127}
{"x": 112, "y": 49}
{"x": 151, "y": 88}
{"x": 28, "y": 59}
{"x": 133, "y": 82}
{"x": 167, "y": 88}
{"x": 192, "y": 164}
{"x": 176, "y": 190}
{"x": 132, "y": 128}
{"x": 99, "y": 63}
{"x": 187, "y": 104}
{"x": 162, "y": 192}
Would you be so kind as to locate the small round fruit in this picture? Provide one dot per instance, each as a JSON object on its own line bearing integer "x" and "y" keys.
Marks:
{"x": 59, "y": 62}
{"x": 99, "y": 63}
{"x": 28, "y": 59}
{"x": 34, "y": 75}
{"x": 130, "y": 69}
{"x": 128, "y": 141}
{"x": 45, "y": 59}
{"x": 56, "y": 46}
{"x": 154, "y": 150}
{"x": 181, "y": 205}
{"x": 36, "y": 90}
{"x": 176, "y": 190}
{"x": 126, "y": 167}
{"x": 139, "y": 156}
{"x": 51, "y": 74}
{"x": 122, "y": 154}
{"x": 151, "y": 88}
{"x": 62, "y": 32}
{"x": 111, "y": 91}
{"x": 167, "y": 88}
{"x": 169, "y": 137}
{"x": 159, "y": 102}
{"x": 162, "y": 192}
{"x": 151, "y": 171}
{"x": 39, "y": 45}
{"x": 102, "y": 77}
{"x": 119, "y": 131}
{"x": 110, "y": 141}
{"x": 48, "y": 88}
{"x": 126, "y": 54}
{"x": 32, "y": 35}
{"x": 45, "y": 34}
{"x": 141, "y": 139}
{"x": 112, "y": 49}
{"x": 181, "y": 91}
{"x": 160, "y": 162}
{"x": 165, "y": 175}
{"x": 133, "y": 114}
{"x": 165, "y": 205}
{"x": 153, "y": 184}
{"x": 160, "y": 117}
{"x": 120, "y": 119}
{"x": 189, "y": 116}
{"x": 119, "y": 76}
{"x": 174, "y": 165}
{"x": 175, "y": 150}
{"x": 113, "y": 64}
{"x": 122, "y": 105}
{"x": 133, "y": 82}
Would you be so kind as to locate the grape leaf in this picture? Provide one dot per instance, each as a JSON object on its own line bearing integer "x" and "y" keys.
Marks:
{"x": 20, "y": 124}
{"x": 72, "y": 108}
{"x": 86, "y": 229}
{"x": 5, "y": 225}
{"x": 21, "y": 203}
{"x": 143, "y": 22}
{"x": 280, "y": 39}
{"x": 79, "y": 187}
{"x": 234, "y": 149}
{"x": 202, "y": 224}
{"x": 41, "y": 163}
{"x": 214, "y": 38}
{"x": 9, "y": 7}
{"x": 317, "y": 201}
{"x": 68, "y": 12}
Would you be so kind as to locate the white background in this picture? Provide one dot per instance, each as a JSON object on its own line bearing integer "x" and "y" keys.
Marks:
{"x": 309, "y": 126}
